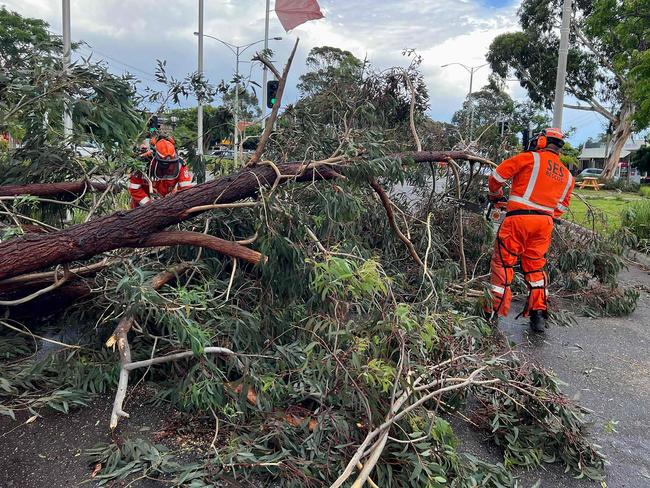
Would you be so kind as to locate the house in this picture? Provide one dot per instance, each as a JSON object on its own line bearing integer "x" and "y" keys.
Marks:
{"x": 594, "y": 154}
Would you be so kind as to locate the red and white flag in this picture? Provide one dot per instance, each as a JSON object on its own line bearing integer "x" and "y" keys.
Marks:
{"x": 292, "y": 13}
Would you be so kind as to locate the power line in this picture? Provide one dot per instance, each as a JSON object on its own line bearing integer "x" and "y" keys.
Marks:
{"x": 151, "y": 76}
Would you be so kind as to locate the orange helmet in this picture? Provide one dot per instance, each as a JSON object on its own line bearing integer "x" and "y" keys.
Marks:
{"x": 550, "y": 134}
{"x": 166, "y": 152}
{"x": 166, "y": 164}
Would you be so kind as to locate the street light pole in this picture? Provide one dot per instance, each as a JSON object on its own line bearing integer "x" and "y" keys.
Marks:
{"x": 471, "y": 104}
{"x": 67, "y": 117}
{"x": 265, "y": 70}
{"x": 563, "y": 54}
{"x": 199, "y": 109}
{"x": 237, "y": 51}
{"x": 471, "y": 70}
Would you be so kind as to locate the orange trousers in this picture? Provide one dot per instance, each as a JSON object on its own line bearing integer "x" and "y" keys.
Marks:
{"x": 527, "y": 237}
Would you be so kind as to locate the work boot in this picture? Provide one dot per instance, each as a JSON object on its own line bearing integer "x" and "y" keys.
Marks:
{"x": 538, "y": 321}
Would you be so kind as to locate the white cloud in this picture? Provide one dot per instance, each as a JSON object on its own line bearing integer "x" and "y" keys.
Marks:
{"x": 136, "y": 33}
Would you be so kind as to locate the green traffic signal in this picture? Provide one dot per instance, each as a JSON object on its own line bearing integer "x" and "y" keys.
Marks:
{"x": 271, "y": 92}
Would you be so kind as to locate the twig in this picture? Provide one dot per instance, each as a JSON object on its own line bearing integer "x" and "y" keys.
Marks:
{"x": 232, "y": 278}
{"x": 57, "y": 283}
{"x": 470, "y": 380}
{"x": 219, "y": 206}
{"x": 179, "y": 355}
{"x": 38, "y": 277}
{"x": 31, "y": 334}
{"x": 414, "y": 131}
{"x": 461, "y": 234}
{"x": 386, "y": 202}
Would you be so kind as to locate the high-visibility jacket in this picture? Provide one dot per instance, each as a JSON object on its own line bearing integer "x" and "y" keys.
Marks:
{"x": 142, "y": 188}
{"x": 540, "y": 181}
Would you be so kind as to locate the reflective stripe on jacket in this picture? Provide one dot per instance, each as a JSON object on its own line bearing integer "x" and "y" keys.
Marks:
{"x": 540, "y": 181}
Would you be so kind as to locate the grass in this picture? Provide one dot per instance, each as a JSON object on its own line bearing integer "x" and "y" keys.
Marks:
{"x": 608, "y": 207}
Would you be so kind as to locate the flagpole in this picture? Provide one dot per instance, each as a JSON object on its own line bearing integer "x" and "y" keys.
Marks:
{"x": 265, "y": 69}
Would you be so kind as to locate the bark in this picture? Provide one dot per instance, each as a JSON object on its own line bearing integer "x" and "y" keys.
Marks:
{"x": 388, "y": 206}
{"x": 30, "y": 253}
{"x": 622, "y": 132}
{"x": 53, "y": 190}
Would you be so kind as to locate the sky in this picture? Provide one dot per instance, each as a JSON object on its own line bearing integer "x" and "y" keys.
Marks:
{"x": 131, "y": 35}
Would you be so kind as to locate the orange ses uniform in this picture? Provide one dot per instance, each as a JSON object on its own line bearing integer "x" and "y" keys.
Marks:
{"x": 541, "y": 189}
{"x": 142, "y": 188}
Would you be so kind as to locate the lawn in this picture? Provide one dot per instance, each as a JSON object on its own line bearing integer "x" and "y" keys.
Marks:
{"x": 607, "y": 207}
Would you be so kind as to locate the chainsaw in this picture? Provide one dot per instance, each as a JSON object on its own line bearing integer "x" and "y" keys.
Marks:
{"x": 495, "y": 211}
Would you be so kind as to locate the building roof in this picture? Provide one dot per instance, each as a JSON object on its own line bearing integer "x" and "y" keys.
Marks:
{"x": 600, "y": 152}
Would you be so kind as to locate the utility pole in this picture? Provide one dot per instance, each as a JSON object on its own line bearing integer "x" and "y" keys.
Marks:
{"x": 265, "y": 73}
{"x": 563, "y": 54}
{"x": 199, "y": 109}
{"x": 67, "y": 117}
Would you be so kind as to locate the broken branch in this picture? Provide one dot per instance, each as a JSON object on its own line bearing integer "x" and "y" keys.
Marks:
{"x": 199, "y": 239}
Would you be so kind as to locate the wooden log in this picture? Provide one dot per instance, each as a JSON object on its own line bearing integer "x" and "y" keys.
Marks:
{"x": 53, "y": 190}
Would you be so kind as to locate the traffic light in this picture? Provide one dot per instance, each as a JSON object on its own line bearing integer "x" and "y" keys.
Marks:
{"x": 153, "y": 123}
{"x": 271, "y": 92}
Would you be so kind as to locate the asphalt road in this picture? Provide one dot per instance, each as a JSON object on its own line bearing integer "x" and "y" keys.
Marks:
{"x": 606, "y": 365}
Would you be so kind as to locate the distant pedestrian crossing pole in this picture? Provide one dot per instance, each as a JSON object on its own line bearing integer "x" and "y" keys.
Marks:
{"x": 67, "y": 117}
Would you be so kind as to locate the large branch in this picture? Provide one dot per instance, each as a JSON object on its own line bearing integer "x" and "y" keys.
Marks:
{"x": 65, "y": 189}
{"x": 199, "y": 239}
{"x": 30, "y": 253}
{"x": 388, "y": 206}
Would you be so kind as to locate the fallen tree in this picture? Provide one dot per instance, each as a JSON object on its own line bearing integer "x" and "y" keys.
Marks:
{"x": 134, "y": 228}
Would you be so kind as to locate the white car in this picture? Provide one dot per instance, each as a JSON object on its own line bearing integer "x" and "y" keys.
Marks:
{"x": 87, "y": 150}
{"x": 590, "y": 173}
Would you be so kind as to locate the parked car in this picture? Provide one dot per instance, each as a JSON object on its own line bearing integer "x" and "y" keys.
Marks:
{"x": 590, "y": 173}
{"x": 87, "y": 150}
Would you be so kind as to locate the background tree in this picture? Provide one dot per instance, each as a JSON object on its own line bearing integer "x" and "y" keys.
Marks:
{"x": 609, "y": 43}
{"x": 498, "y": 120}
{"x": 641, "y": 159}
{"x": 34, "y": 88}
{"x": 217, "y": 126}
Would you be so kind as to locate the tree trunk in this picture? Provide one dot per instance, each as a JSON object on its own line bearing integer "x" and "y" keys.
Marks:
{"x": 132, "y": 228}
{"x": 52, "y": 190}
{"x": 622, "y": 132}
